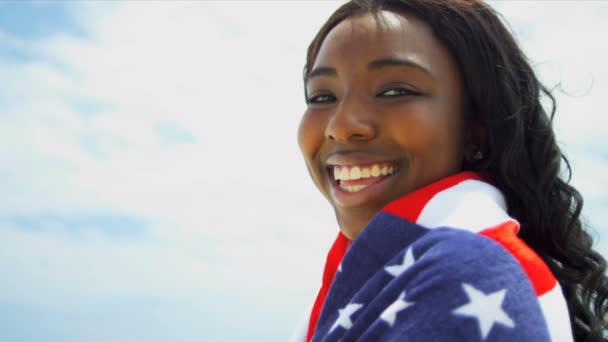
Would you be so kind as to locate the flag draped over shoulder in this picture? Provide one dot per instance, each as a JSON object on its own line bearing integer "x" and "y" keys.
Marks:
{"x": 443, "y": 263}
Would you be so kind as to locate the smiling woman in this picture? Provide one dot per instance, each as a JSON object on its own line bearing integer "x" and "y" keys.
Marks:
{"x": 399, "y": 123}
{"x": 425, "y": 132}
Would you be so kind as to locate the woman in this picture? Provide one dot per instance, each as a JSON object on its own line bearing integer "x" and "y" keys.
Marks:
{"x": 425, "y": 132}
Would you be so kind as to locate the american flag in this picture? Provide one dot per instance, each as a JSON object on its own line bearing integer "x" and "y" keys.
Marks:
{"x": 441, "y": 264}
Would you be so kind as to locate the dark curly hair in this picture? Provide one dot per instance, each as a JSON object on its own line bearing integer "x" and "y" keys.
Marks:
{"x": 521, "y": 156}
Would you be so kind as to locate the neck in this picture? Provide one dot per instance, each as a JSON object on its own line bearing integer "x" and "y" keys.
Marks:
{"x": 353, "y": 224}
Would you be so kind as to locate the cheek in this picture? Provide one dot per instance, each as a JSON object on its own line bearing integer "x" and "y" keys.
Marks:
{"x": 310, "y": 135}
{"x": 413, "y": 127}
{"x": 431, "y": 138}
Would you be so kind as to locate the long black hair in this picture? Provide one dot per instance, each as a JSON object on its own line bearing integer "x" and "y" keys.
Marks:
{"x": 521, "y": 156}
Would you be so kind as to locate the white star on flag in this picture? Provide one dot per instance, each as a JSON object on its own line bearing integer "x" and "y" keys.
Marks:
{"x": 344, "y": 316}
{"x": 408, "y": 260}
{"x": 390, "y": 314}
{"x": 487, "y": 309}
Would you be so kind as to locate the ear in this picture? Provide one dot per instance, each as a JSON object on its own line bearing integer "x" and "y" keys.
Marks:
{"x": 474, "y": 147}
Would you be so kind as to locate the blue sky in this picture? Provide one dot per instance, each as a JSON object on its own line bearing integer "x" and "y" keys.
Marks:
{"x": 44, "y": 18}
{"x": 135, "y": 209}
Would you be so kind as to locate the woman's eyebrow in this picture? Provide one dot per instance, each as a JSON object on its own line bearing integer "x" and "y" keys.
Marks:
{"x": 386, "y": 62}
{"x": 321, "y": 71}
{"x": 373, "y": 65}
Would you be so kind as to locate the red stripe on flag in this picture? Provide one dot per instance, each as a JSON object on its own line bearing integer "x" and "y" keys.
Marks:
{"x": 410, "y": 206}
{"x": 334, "y": 258}
{"x": 538, "y": 272}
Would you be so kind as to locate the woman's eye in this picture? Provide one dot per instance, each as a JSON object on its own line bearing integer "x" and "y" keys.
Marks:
{"x": 322, "y": 98}
{"x": 394, "y": 92}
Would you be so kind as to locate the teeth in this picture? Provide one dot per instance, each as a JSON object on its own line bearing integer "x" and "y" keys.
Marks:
{"x": 358, "y": 172}
{"x": 355, "y": 173}
{"x": 375, "y": 170}
{"x": 353, "y": 188}
{"x": 366, "y": 173}
{"x": 344, "y": 174}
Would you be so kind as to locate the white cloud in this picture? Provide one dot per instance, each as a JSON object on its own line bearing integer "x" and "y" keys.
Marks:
{"x": 232, "y": 212}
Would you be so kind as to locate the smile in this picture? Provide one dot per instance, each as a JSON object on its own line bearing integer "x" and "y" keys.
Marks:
{"x": 355, "y": 178}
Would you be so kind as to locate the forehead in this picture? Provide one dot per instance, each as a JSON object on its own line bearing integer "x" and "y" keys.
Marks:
{"x": 384, "y": 34}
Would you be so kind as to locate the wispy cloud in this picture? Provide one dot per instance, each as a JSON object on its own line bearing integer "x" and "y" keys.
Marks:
{"x": 172, "y": 133}
{"x": 151, "y": 168}
{"x": 74, "y": 225}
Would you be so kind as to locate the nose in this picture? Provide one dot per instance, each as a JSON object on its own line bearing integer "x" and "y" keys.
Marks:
{"x": 351, "y": 122}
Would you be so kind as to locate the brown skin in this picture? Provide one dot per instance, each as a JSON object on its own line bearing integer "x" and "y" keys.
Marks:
{"x": 361, "y": 115}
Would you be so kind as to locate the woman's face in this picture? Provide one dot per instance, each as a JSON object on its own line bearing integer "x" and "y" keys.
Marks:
{"x": 384, "y": 116}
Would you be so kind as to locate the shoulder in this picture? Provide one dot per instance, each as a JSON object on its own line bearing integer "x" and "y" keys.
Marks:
{"x": 488, "y": 284}
{"x": 494, "y": 251}
{"x": 444, "y": 263}
{"x": 447, "y": 256}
